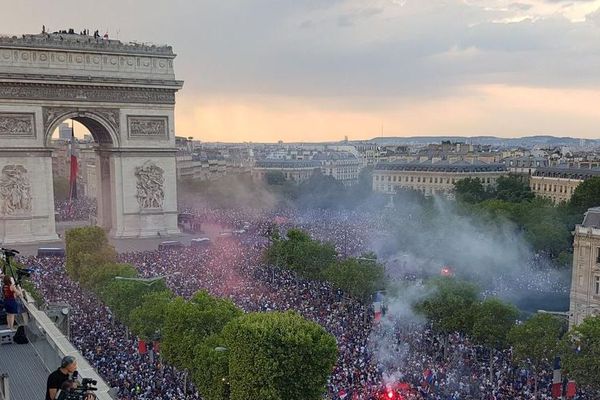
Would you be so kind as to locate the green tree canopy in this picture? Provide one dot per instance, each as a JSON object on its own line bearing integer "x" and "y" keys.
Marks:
{"x": 581, "y": 353}
{"x": 470, "y": 190}
{"x": 586, "y": 195}
{"x": 210, "y": 371}
{"x": 148, "y": 318}
{"x": 87, "y": 248}
{"x": 123, "y": 296}
{"x": 359, "y": 278}
{"x": 513, "y": 189}
{"x": 302, "y": 254}
{"x": 275, "y": 178}
{"x": 536, "y": 340}
{"x": 450, "y": 305}
{"x": 189, "y": 323}
{"x": 95, "y": 279}
{"x": 321, "y": 191}
{"x": 493, "y": 320}
{"x": 278, "y": 355}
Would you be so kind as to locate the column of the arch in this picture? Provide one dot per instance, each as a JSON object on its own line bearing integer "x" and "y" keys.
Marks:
{"x": 130, "y": 219}
{"x": 27, "y": 210}
{"x": 26, "y": 184}
{"x": 104, "y": 190}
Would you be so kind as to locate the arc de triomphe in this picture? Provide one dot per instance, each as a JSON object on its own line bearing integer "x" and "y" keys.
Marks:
{"x": 124, "y": 94}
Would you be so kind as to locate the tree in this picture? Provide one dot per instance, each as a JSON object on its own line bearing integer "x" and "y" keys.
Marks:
{"x": 320, "y": 191}
{"x": 586, "y": 195}
{"x": 470, "y": 190}
{"x": 210, "y": 371}
{"x": 302, "y": 254}
{"x": 278, "y": 355}
{"x": 493, "y": 321}
{"x": 87, "y": 248}
{"x": 189, "y": 323}
{"x": 513, "y": 189}
{"x": 536, "y": 342}
{"x": 450, "y": 305}
{"x": 97, "y": 278}
{"x": 581, "y": 353}
{"x": 123, "y": 296}
{"x": 275, "y": 178}
{"x": 359, "y": 278}
{"x": 148, "y": 319}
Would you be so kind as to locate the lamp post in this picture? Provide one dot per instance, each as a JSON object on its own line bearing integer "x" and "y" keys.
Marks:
{"x": 226, "y": 388}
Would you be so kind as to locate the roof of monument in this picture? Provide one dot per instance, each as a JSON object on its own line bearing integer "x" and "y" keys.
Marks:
{"x": 65, "y": 41}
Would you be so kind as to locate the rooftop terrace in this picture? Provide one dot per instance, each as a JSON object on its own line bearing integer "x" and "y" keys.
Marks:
{"x": 73, "y": 41}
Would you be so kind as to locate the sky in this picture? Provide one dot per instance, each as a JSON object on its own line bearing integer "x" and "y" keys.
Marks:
{"x": 320, "y": 70}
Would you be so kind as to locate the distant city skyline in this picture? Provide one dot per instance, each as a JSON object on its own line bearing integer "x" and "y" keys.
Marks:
{"x": 319, "y": 70}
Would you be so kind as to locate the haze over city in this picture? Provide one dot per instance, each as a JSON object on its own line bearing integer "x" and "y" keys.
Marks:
{"x": 308, "y": 70}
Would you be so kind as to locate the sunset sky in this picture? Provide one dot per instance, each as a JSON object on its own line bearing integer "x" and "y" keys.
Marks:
{"x": 316, "y": 70}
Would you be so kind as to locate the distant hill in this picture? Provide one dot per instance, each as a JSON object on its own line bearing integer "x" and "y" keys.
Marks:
{"x": 526, "y": 141}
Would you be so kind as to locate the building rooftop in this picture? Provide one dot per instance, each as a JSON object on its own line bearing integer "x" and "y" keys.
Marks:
{"x": 441, "y": 166}
{"x": 334, "y": 156}
{"x": 567, "y": 172}
{"x": 591, "y": 218}
{"x": 287, "y": 164}
{"x": 73, "y": 41}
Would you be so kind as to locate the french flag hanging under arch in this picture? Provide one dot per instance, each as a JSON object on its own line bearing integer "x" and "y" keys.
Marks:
{"x": 74, "y": 165}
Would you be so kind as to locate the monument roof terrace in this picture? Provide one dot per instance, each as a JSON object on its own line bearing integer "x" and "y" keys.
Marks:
{"x": 87, "y": 43}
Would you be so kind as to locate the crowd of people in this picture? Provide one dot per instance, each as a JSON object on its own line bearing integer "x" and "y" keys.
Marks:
{"x": 80, "y": 209}
{"x": 371, "y": 355}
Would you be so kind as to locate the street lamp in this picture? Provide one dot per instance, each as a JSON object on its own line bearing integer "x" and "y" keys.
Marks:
{"x": 146, "y": 281}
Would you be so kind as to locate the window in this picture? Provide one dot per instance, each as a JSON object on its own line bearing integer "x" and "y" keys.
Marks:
{"x": 597, "y": 285}
{"x": 597, "y": 255}
{"x": 376, "y": 177}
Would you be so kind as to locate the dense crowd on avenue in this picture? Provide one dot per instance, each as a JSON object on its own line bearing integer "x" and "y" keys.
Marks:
{"x": 80, "y": 209}
{"x": 370, "y": 355}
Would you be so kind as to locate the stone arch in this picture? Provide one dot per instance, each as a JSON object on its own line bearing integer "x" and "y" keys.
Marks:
{"x": 102, "y": 124}
{"x": 127, "y": 103}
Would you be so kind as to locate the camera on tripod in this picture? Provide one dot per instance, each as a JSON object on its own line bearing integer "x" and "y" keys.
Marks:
{"x": 16, "y": 272}
{"x": 83, "y": 391}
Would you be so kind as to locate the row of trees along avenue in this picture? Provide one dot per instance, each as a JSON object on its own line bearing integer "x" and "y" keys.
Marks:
{"x": 456, "y": 306}
{"x": 229, "y": 354}
{"x": 546, "y": 226}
